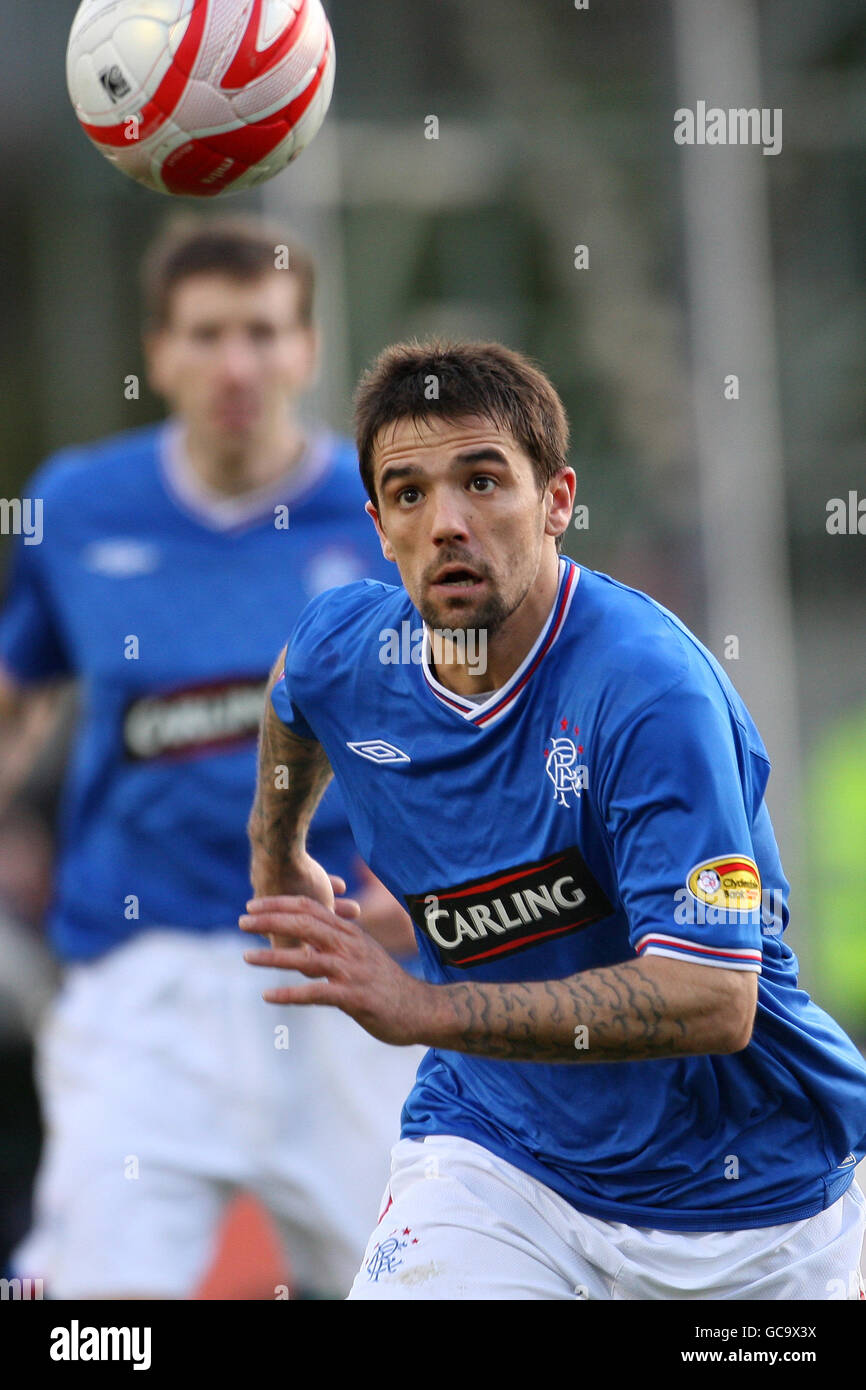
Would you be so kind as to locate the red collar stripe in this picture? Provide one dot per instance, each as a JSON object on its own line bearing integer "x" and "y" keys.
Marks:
{"x": 482, "y": 716}
{"x": 559, "y": 618}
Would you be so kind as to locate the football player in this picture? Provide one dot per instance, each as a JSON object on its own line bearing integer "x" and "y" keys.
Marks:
{"x": 169, "y": 559}
{"x": 626, "y": 1094}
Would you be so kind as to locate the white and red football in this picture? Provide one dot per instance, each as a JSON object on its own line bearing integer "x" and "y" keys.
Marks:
{"x": 200, "y": 97}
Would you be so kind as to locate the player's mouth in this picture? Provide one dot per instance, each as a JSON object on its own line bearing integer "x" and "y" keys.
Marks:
{"x": 239, "y": 414}
{"x": 235, "y": 419}
{"x": 457, "y": 579}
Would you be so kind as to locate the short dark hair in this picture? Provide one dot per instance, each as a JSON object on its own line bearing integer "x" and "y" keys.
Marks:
{"x": 243, "y": 248}
{"x": 447, "y": 380}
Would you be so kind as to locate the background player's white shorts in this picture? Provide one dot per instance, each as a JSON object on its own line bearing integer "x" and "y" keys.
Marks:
{"x": 459, "y": 1223}
{"x": 165, "y": 1090}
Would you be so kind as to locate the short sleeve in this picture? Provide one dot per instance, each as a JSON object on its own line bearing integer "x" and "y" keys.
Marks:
{"x": 290, "y": 697}
{"x": 316, "y": 655}
{"x": 674, "y": 797}
{"x": 31, "y": 643}
{"x": 287, "y": 711}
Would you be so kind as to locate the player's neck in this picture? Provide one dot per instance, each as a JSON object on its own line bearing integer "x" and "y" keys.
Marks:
{"x": 492, "y": 660}
{"x": 257, "y": 464}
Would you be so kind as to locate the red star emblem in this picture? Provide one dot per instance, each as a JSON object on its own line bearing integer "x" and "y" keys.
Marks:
{"x": 563, "y": 723}
{"x": 407, "y": 1230}
{"x": 579, "y": 746}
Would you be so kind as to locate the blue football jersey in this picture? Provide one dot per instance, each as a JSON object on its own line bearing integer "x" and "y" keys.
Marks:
{"x": 171, "y": 611}
{"x": 607, "y": 802}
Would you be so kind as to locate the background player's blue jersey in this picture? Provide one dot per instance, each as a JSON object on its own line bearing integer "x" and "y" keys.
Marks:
{"x": 606, "y": 802}
{"x": 172, "y": 615}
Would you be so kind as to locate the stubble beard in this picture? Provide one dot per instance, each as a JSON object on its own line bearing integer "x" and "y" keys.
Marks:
{"x": 487, "y": 617}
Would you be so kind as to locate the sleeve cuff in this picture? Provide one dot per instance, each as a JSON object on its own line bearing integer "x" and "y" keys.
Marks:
{"x": 677, "y": 948}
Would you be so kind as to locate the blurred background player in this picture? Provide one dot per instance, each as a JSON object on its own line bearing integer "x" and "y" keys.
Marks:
{"x": 164, "y": 564}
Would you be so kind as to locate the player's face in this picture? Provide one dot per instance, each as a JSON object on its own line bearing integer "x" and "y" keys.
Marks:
{"x": 233, "y": 355}
{"x": 461, "y": 514}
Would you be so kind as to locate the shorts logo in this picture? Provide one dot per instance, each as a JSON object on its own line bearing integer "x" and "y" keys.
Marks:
{"x": 732, "y": 883}
{"x": 510, "y": 910}
{"x": 386, "y": 1257}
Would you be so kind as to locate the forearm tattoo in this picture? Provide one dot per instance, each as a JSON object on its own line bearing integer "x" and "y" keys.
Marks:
{"x": 611, "y": 1014}
{"x": 292, "y": 776}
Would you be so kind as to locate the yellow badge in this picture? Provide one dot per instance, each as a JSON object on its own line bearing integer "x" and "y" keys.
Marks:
{"x": 732, "y": 883}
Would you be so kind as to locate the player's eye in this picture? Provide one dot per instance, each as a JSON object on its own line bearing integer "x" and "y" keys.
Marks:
{"x": 205, "y": 333}
{"x": 482, "y": 478}
{"x": 262, "y": 332}
{"x": 406, "y": 496}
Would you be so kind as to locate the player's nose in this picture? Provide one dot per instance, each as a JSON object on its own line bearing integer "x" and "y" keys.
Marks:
{"x": 237, "y": 360}
{"x": 447, "y": 516}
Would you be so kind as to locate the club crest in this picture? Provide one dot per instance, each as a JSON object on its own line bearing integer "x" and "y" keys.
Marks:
{"x": 568, "y": 774}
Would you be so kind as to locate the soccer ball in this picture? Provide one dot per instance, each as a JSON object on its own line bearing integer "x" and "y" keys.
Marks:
{"x": 200, "y": 97}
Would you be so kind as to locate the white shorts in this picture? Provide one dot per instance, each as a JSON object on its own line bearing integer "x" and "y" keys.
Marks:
{"x": 167, "y": 1085}
{"x": 460, "y": 1223}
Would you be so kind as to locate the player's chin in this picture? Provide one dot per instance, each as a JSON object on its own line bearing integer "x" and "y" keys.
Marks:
{"x": 456, "y": 608}
{"x": 237, "y": 426}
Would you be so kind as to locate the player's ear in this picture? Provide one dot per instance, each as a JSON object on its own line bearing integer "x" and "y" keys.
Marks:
{"x": 383, "y": 539}
{"x": 310, "y": 357}
{"x": 156, "y": 360}
{"x": 560, "y": 501}
{"x": 315, "y": 353}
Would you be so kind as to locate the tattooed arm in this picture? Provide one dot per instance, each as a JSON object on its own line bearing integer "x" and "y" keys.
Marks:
{"x": 644, "y": 1008}
{"x": 650, "y": 1007}
{"x": 292, "y": 776}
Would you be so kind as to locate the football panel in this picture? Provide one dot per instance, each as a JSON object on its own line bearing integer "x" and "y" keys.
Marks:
{"x": 255, "y": 55}
{"x": 168, "y": 91}
{"x": 252, "y": 153}
{"x": 115, "y": 48}
{"x": 273, "y": 87}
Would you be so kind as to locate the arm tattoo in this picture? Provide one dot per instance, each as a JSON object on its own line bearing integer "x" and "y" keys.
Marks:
{"x": 624, "y": 1014}
{"x": 292, "y": 776}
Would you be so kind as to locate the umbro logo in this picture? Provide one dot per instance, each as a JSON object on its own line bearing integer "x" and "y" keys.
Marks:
{"x": 378, "y": 751}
